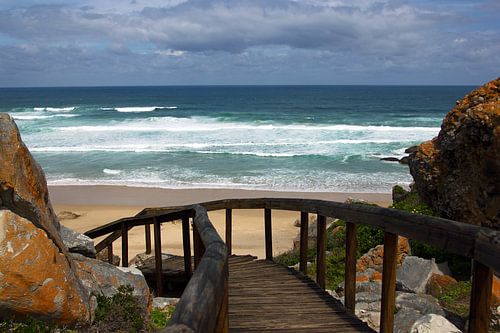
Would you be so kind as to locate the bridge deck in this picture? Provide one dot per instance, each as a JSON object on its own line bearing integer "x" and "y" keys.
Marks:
{"x": 267, "y": 297}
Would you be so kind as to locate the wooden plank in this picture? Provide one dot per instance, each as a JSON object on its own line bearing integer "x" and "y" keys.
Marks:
{"x": 350, "y": 267}
{"x": 480, "y": 301}
{"x": 388, "y": 304}
{"x": 110, "y": 254}
{"x": 321, "y": 251}
{"x": 199, "y": 248}
{"x": 186, "y": 244}
{"x": 147, "y": 233}
{"x": 268, "y": 234}
{"x": 124, "y": 244}
{"x": 304, "y": 238}
{"x": 158, "y": 257}
{"x": 229, "y": 230}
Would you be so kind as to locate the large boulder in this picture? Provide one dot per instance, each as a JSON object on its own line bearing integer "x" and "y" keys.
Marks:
{"x": 414, "y": 274}
{"x": 36, "y": 279}
{"x": 458, "y": 172}
{"x": 77, "y": 242}
{"x": 433, "y": 323}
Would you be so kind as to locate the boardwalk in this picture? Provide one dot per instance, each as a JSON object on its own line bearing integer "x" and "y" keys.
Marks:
{"x": 267, "y": 297}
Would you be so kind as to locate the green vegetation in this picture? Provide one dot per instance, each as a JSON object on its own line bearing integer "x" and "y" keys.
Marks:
{"x": 455, "y": 298}
{"x": 160, "y": 318}
{"x": 29, "y": 326}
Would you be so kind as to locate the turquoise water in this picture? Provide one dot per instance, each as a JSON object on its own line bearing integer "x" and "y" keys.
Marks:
{"x": 327, "y": 138}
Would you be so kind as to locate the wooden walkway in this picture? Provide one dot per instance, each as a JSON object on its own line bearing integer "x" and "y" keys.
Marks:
{"x": 267, "y": 297}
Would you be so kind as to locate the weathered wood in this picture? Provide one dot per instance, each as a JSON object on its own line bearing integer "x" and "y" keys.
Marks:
{"x": 158, "y": 257}
{"x": 124, "y": 244}
{"x": 198, "y": 247}
{"x": 223, "y": 316}
{"x": 304, "y": 239}
{"x": 388, "y": 304}
{"x": 268, "y": 234}
{"x": 480, "y": 301}
{"x": 350, "y": 267}
{"x": 147, "y": 232}
{"x": 321, "y": 251}
{"x": 229, "y": 231}
{"x": 110, "y": 254}
{"x": 186, "y": 244}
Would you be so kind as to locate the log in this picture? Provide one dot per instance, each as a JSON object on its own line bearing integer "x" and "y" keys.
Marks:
{"x": 321, "y": 252}
{"x": 389, "y": 283}
{"x": 350, "y": 267}
{"x": 268, "y": 234}
{"x": 110, "y": 254}
{"x": 304, "y": 238}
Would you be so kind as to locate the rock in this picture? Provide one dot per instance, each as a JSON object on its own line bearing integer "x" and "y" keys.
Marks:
{"x": 311, "y": 233}
{"x": 375, "y": 256}
{"x": 77, "y": 242}
{"x": 422, "y": 303}
{"x": 414, "y": 274}
{"x": 23, "y": 188}
{"x": 368, "y": 301}
{"x": 371, "y": 318}
{"x": 36, "y": 279}
{"x": 101, "y": 278}
{"x": 144, "y": 259}
{"x": 162, "y": 303}
{"x": 411, "y": 150}
{"x": 390, "y": 159}
{"x": 404, "y": 319}
{"x": 404, "y": 160}
{"x": 65, "y": 215}
{"x": 437, "y": 283}
{"x": 432, "y": 323}
{"x": 103, "y": 256}
{"x": 458, "y": 172}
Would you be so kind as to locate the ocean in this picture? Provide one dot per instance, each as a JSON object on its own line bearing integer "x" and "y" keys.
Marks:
{"x": 291, "y": 138}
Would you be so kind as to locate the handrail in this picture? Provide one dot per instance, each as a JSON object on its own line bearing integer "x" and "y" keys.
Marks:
{"x": 478, "y": 243}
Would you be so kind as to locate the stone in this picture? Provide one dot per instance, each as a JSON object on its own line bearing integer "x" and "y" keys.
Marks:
{"x": 161, "y": 303}
{"x": 368, "y": 301}
{"x": 36, "y": 279}
{"x": 66, "y": 215}
{"x": 371, "y": 318}
{"x": 432, "y": 323}
{"x": 390, "y": 159}
{"x": 101, "y": 278}
{"x": 375, "y": 256}
{"x": 404, "y": 319}
{"x": 423, "y": 303}
{"x": 404, "y": 160}
{"x": 23, "y": 187}
{"x": 457, "y": 173}
{"x": 414, "y": 274}
{"x": 77, "y": 242}
{"x": 437, "y": 283}
{"x": 103, "y": 256}
{"x": 411, "y": 149}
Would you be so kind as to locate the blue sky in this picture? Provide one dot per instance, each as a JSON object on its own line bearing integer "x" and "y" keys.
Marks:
{"x": 198, "y": 42}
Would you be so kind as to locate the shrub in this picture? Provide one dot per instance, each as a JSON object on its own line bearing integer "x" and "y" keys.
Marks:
{"x": 160, "y": 318}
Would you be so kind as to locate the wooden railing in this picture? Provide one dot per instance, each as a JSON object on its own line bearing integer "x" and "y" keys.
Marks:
{"x": 207, "y": 288}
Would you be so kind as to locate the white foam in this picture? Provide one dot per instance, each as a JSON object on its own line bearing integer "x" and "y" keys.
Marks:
{"x": 111, "y": 171}
{"x": 52, "y": 109}
{"x": 38, "y": 117}
{"x": 142, "y": 108}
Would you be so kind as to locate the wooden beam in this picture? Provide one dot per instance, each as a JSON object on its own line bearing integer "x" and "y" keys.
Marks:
{"x": 186, "y": 244}
{"x": 110, "y": 254}
{"x": 124, "y": 244}
{"x": 229, "y": 230}
{"x": 199, "y": 248}
{"x": 147, "y": 231}
{"x": 222, "y": 324}
{"x": 389, "y": 283}
{"x": 158, "y": 258}
{"x": 480, "y": 300}
{"x": 321, "y": 251}
{"x": 350, "y": 267}
{"x": 268, "y": 234}
{"x": 304, "y": 238}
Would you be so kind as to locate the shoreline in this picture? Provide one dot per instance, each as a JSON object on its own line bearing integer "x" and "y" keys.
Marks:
{"x": 101, "y": 204}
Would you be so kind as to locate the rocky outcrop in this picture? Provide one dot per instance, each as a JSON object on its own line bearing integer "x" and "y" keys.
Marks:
{"x": 458, "y": 172}
{"x": 77, "y": 242}
{"x": 36, "y": 279}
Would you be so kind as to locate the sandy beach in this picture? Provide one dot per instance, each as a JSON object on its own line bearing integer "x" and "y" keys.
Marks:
{"x": 101, "y": 204}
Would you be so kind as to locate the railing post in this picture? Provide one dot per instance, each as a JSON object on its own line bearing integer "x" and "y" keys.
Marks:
{"x": 304, "y": 238}
{"x": 186, "y": 243}
{"x": 480, "y": 300}
{"x": 268, "y": 234}
{"x": 147, "y": 231}
{"x": 321, "y": 251}
{"x": 110, "y": 254}
{"x": 388, "y": 283}
{"x": 158, "y": 257}
{"x": 229, "y": 230}
{"x": 350, "y": 267}
{"x": 199, "y": 248}
{"x": 124, "y": 244}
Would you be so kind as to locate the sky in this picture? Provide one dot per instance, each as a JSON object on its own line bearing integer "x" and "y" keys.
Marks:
{"x": 248, "y": 42}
